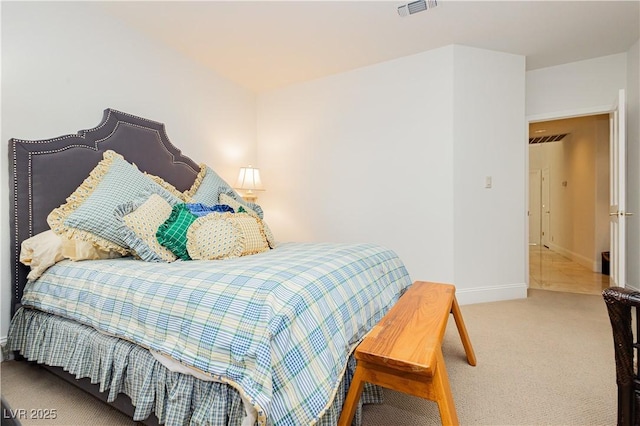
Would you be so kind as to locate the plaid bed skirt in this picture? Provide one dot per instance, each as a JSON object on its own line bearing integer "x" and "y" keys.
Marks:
{"x": 120, "y": 366}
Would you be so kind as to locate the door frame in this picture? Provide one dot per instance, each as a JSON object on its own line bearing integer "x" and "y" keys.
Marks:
{"x": 545, "y": 206}
{"x": 617, "y": 198}
{"x": 580, "y": 112}
{"x": 535, "y": 209}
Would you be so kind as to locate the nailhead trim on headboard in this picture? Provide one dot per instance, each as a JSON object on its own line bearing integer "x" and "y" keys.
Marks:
{"x": 112, "y": 118}
{"x": 15, "y": 221}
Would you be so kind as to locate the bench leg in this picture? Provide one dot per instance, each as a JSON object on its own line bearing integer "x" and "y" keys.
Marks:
{"x": 442, "y": 390}
{"x": 462, "y": 330}
{"x": 353, "y": 396}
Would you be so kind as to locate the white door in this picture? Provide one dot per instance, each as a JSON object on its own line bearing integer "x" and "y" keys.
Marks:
{"x": 546, "y": 209}
{"x": 535, "y": 177}
{"x": 617, "y": 213}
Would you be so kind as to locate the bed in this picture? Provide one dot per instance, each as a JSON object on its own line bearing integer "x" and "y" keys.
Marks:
{"x": 259, "y": 337}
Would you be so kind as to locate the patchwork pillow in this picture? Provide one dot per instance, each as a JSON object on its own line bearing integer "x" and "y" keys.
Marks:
{"x": 239, "y": 207}
{"x": 226, "y": 235}
{"x": 172, "y": 234}
{"x": 88, "y": 213}
{"x": 141, "y": 219}
{"x": 207, "y": 187}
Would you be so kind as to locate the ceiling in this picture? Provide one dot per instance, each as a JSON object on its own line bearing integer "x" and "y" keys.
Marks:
{"x": 263, "y": 45}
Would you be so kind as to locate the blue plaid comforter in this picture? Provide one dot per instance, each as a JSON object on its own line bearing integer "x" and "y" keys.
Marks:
{"x": 279, "y": 326}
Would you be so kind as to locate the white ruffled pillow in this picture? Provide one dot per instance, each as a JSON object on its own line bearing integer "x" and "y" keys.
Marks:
{"x": 47, "y": 248}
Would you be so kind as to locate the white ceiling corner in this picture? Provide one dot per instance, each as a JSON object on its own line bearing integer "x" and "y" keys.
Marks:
{"x": 264, "y": 45}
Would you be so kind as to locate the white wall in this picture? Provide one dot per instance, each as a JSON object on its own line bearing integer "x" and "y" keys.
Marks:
{"x": 388, "y": 153}
{"x": 579, "y": 87}
{"x": 489, "y": 140}
{"x": 64, "y": 63}
{"x": 633, "y": 165}
{"x": 365, "y": 156}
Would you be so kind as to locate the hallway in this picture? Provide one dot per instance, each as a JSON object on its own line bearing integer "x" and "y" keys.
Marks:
{"x": 549, "y": 270}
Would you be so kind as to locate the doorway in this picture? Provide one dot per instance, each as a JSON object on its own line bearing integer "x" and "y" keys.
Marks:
{"x": 568, "y": 203}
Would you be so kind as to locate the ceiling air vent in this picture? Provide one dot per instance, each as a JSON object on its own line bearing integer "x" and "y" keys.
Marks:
{"x": 550, "y": 138}
{"x": 416, "y": 6}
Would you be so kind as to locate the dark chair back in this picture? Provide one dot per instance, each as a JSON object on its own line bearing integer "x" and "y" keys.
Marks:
{"x": 620, "y": 304}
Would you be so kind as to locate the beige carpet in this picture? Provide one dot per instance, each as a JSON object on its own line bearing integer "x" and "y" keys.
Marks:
{"x": 31, "y": 392}
{"x": 544, "y": 360}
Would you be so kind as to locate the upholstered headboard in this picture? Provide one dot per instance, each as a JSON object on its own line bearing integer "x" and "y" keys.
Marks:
{"x": 43, "y": 173}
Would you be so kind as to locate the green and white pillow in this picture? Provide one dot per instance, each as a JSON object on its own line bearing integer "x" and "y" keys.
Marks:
{"x": 172, "y": 234}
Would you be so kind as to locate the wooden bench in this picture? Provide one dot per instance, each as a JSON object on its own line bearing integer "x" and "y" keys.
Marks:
{"x": 404, "y": 351}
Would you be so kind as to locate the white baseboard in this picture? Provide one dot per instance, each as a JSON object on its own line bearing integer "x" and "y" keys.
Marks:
{"x": 468, "y": 296}
{"x": 592, "y": 265}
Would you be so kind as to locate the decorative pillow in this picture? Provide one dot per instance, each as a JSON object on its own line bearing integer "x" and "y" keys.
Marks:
{"x": 40, "y": 252}
{"x": 88, "y": 213}
{"x": 226, "y": 235}
{"x": 140, "y": 222}
{"x": 238, "y": 200}
{"x": 172, "y": 234}
{"x": 200, "y": 209}
{"x": 215, "y": 236}
{"x": 208, "y": 186}
{"x": 255, "y": 207}
{"x": 255, "y": 241}
{"x": 267, "y": 233}
{"x": 168, "y": 187}
{"x": 77, "y": 250}
{"x": 238, "y": 207}
{"x": 47, "y": 248}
